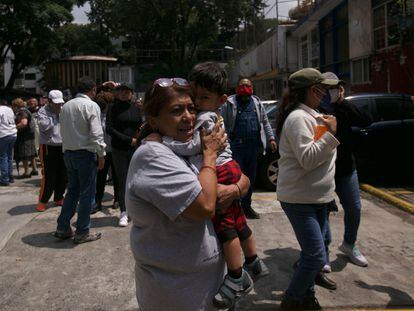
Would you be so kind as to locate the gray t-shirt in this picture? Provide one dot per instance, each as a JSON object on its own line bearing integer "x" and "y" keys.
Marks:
{"x": 192, "y": 149}
{"x": 179, "y": 262}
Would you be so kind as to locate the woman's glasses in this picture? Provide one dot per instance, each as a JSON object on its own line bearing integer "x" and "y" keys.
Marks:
{"x": 167, "y": 82}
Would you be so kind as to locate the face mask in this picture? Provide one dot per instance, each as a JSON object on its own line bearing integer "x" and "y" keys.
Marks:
{"x": 334, "y": 94}
{"x": 244, "y": 90}
{"x": 326, "y": 105}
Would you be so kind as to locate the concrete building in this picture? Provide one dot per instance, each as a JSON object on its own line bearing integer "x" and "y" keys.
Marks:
{"x": 29, "y": 80}
{"x": 268, "y": 65}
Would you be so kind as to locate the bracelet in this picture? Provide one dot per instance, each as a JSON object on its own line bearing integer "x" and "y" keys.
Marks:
{"x": 209, "y": 167}
{"x": 238, "y": 188}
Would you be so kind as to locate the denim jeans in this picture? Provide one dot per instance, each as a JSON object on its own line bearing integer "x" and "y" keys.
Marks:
{"x": 347, "y": 189}
{"x": 246, "y": 154}
{"x": 81, "y": 170}
{"x": 6, "y": 158}
{"x": 308, "y": 222}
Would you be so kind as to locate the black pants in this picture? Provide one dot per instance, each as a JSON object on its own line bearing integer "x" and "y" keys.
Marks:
{"x": 53, "y": 173}
{"x": 121, "y": 159}
{"x": 101, "y": 180}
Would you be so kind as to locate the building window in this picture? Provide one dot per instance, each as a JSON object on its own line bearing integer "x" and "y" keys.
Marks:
{"x": 30, "y": 76}
{"x": 315, "y": 48}
{"x": 360, "y": 71}
{"x": 385, "y": 24}
{"x": 334, "y": 41}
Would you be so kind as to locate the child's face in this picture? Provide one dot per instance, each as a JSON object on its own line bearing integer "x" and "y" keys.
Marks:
{"x": 206, "y": 100}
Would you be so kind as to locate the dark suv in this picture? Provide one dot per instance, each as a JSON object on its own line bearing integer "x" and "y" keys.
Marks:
{"x": 388, "y": 142}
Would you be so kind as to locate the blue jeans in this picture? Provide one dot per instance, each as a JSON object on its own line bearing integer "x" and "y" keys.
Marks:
{"x": 347, "y": 189}
{"x": 6, "y": 158}
{"x": 308, "y": 222}
{"x": 81, "y": 172}
{"x": 246, "y": 154}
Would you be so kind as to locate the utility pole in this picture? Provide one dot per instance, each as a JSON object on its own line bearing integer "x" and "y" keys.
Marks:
{"x": 277, "y": 33}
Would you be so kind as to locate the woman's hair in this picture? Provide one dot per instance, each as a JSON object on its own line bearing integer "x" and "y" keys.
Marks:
{"x": 18, "y": 102}
{"x": 156, "y": 97}
{"x": 103, "y": 99}
{"x": 290, "y": 101}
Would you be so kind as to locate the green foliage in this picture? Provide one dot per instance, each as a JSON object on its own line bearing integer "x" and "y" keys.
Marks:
{"x": 174, "y": 29}
{"x": 27, "y": 29}
{"x": 87, "y": 39}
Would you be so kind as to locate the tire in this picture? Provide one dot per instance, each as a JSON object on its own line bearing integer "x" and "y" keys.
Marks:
{"x": 268, "y": 172}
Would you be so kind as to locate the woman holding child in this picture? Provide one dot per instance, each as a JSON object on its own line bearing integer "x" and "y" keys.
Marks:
{"x": 179, "y": 261}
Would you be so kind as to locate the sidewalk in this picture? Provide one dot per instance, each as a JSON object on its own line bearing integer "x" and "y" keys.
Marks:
{"x": 40, "y": 273}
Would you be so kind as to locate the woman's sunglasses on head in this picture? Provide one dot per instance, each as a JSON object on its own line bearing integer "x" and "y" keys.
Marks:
{"x": 167, "y": 82}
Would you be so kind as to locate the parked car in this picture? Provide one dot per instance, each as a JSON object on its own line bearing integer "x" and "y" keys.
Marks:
{"x": 267, "y": 168}
{"x": 387, "y": 144}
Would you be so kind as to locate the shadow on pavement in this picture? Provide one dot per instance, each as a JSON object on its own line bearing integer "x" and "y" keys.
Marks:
{"x": 47, "y": 240}
{"x": 280, "y": 263}
{"x": 22, "y": 209}
{"x": 398, "y": 297}
{"x": 107, "y": 221}
{"x": 339, "y": 263}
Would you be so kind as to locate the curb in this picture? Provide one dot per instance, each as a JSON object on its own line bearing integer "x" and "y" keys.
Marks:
{"x": 385, "y": 196}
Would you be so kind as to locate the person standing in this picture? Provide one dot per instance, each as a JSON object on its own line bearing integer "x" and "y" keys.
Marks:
{"x": 306, "y": 185}
{"x": 104, "y": 99}
{"x": 50, "y": 152}
{"x": 8, "y": 135}
{"x": 123, "y": 121}
{"x": 84, "y": 149}
{"x": 33, "y": 106}
{"x": 346, "y": 177}
{"x": 249, "y": 131}
{"x": 24, "y": 148}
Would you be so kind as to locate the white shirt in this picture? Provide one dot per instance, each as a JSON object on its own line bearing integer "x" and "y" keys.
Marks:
{"x": 80, "y": 126}
{"x": 7, "y": 124}
{"x": 306, "y": 167}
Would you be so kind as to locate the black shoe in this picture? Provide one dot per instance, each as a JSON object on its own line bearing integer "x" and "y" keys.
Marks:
{"x": 290, "y": 305}
{"x": 87, "y": 237}
{"x": 311, "y": 303}
{"x": 4, "y": 184}
{"x": 250, "y": 213}
{"x": 34, "y": 173}
{"x": 116, "y": 205}
{"x": 96, "y": 208}
{"x": 64, "y": 235}
{"x": 323, "y": 281}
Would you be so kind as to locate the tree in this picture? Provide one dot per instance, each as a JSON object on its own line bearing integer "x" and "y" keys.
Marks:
{"x": 87, "y": 39}
{"x": 27, "y": 29}
{"x": 177, "y": 29}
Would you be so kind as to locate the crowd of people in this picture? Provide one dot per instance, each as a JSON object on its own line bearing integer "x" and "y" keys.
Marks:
{"x": 183, "y": 165}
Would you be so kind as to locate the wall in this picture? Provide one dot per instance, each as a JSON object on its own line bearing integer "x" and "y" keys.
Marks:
{"x": 360, "y": 28}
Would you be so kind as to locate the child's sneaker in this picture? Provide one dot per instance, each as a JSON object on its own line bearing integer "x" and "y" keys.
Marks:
{"x": 257, "y": 269}
{"x": 232, "y": 290}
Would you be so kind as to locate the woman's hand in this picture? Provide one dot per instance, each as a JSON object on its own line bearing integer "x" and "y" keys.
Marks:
{"x": 330, "y": 122}
{"x": 214, "y": 142}
{"x": 226, "y": 194}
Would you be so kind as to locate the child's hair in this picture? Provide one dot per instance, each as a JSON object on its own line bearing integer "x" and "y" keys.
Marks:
{"x": 210, "y": 76}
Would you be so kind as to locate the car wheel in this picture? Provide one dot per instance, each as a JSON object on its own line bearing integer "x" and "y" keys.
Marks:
{"x": 269, "y": 173}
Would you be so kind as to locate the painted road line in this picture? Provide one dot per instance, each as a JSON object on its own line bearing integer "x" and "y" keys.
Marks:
{"x": 402, "y": 204}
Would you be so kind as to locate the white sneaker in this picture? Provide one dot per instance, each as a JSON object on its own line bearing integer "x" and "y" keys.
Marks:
{"x": 327, "y": 269}
{"x": 123, "y": 219}
{"x": 354, "y": 254}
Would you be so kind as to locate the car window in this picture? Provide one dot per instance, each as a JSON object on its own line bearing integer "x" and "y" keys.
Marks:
{"x": 363, "y": 103}
{"x": 408, "y": 108}
{"x": 389, "y": 108}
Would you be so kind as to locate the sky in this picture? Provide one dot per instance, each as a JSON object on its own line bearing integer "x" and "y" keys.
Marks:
{"x": 79, "y": 14}
{"x": 284, "y": 7}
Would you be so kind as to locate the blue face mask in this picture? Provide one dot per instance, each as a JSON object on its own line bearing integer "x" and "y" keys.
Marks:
{"x": 326, "y": 105}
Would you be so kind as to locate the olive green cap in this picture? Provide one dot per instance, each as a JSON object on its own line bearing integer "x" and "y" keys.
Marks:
{"x": 307, "y": 77}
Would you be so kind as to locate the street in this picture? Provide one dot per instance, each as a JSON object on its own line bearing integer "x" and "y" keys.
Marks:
{"x": 40, "y": 273}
